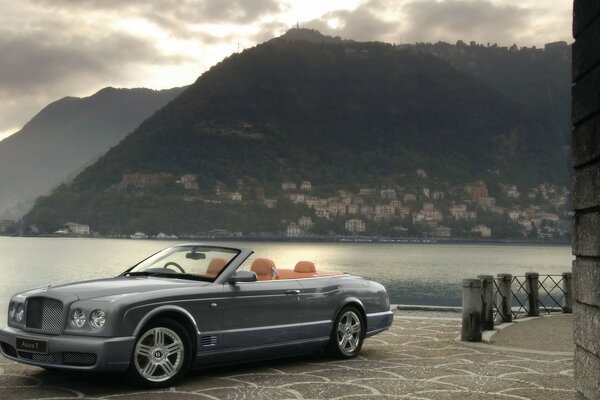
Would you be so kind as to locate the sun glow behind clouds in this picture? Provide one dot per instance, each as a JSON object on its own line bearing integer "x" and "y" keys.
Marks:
{"x": 6, "y": 133}
{"x": 167, "y": 43}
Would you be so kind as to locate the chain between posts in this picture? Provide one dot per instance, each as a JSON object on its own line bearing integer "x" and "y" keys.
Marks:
{"x": 487, "y": 301}
{"x": 550, "y": 300}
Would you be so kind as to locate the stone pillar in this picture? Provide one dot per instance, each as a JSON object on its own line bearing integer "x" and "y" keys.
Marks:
{"x": 586, "y": 196}
{"x": 487, "y": 298}
{"x": 471, "y": 312}
{"x": 567, "y": 286}
{"x": 504, "y": 297}
{"x": 532, "y": 285}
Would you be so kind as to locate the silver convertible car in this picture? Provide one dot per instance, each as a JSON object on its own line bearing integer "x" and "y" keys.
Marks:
{"x": 193, "y": 305}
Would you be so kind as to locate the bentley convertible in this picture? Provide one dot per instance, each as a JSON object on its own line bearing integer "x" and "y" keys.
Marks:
{"x": 193, "y": 305}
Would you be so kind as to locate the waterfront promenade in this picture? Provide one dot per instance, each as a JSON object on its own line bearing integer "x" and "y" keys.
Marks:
{"x": 418, "y": 358}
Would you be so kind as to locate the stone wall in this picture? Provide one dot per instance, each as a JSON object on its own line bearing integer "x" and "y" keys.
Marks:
{"x": 586, "y": 191}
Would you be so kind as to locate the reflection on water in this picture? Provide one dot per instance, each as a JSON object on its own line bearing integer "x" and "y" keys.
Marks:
{"x": 412, "y": 273}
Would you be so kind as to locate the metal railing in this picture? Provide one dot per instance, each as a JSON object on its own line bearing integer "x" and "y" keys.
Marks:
{"x": 487, "y": 301}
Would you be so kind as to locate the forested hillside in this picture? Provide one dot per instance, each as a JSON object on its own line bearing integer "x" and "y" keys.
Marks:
{"x": 340, "y": 114}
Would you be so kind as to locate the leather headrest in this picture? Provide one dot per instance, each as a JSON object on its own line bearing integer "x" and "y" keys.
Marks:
{"x": 305, "y": 267}
{"x": 215, "y": 266}
{"x": 262, "y": 266}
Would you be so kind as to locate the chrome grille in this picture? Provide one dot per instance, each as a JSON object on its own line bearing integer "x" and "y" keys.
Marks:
{"x": 44, "y": 314}
{"x": 83, "y": 359}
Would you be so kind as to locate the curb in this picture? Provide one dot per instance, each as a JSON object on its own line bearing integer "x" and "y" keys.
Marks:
{"x": 413, "y": 307}
{"x": 486, "y": 340}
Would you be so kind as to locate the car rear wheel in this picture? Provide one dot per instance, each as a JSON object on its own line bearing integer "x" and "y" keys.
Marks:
{"x": 161, "y": 355}
{"x": 347, "y": 335}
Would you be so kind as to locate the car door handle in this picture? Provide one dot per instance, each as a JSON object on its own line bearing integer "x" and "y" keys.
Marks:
{"x": 293, "y": 291}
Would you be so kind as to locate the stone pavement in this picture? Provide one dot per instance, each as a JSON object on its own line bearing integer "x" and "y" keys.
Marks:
{"x": 417, "y": 359}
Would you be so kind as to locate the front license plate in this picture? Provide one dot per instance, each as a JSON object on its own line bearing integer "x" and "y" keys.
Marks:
{"x": 32, "y": 346}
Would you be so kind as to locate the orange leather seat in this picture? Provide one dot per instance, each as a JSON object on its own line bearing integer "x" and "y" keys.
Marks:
{"x": 305, "y": 267}
{"x": 215, "y": 266}
{"x": 264, "y": 269}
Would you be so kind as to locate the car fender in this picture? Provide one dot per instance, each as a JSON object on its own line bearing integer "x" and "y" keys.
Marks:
{"x": 354, "y": 301}
{"x": 162, "y": 309}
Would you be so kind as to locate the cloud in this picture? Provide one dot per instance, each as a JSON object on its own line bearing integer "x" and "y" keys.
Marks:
{"x": 175, "y": 16}
{"x": 57, "y": 48}
{"x": 408, "y": 21}
{"x": 360, "y": 24}
{"x": 431, "y": 20}
{"x": 37, "y": 60}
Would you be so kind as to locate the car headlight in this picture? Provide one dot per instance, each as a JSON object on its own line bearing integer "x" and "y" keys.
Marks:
{"x": 97, "y": 318}
{"x": 78, "y": 318}
{"x": 12, "y": 308}
{"x": 20, "y": 313}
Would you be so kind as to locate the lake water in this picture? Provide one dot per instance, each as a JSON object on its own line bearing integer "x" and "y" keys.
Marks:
{"x": 428, "y": 274}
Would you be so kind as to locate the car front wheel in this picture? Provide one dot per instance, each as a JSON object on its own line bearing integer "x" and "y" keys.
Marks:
{"x": 347, "y": 335}
{"x": 161, "y": 355}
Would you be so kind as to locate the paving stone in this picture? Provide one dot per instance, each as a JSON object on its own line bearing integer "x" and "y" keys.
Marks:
{"x": 331, "y": 390}
{"x": 545, "y": 394}
{"x": 416, "y": 359}
{"x": 487, "y": 383}
{"x": 547, "y": 381}
{"x": 251, "y": 393}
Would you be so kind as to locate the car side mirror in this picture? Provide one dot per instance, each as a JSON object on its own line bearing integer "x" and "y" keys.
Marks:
{"x": 242, "y": 276}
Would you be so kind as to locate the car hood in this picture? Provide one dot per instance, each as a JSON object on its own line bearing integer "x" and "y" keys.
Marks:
{"x": 118, "y": 286}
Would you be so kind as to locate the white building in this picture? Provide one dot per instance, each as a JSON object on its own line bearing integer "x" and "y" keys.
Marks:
{"x": 78, "y": 229}
{"x": 514, "y": 214}
{"x": 367, "y": 192}
{"x": 487, "y": 202}
{"x": 306, "y": 186}
{"x": 305, "y": 222}
{"x": 483, "y": 230}
{"x": 388, "y": 194}
{"x": 294, "y": 230}
{"x": 355, "y": 225}
{"x": 189, "y": 181}
{"x": 288, "y": 186}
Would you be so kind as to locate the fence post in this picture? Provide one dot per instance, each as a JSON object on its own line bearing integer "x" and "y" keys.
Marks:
{"x": 471, "y": 312}
{"x": 568, "y": 289}
{"x": 532, "y": 285}
{"x": 504, "y": 299}
{"x": 487, "y": 298}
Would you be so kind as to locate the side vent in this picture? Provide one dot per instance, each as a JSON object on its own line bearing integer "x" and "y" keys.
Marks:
{"x": 206, "y": 341}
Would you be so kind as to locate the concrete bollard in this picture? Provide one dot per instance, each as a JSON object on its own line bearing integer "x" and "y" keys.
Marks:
{"x": 487, "y": 298}
{"x": 504, "y": 297}
{"x": 471, "y": 313}
{"x": 567, "y": 284}
{"x": 532, "y": 285}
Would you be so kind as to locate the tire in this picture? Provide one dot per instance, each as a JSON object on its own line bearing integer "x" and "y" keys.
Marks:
{"x": 348, "y": 334}
{"x": 162, "y": 354}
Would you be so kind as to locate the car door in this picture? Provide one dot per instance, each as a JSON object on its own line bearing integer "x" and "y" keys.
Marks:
{"x": 321, "y": 298}
{"x": 261, "y": 313}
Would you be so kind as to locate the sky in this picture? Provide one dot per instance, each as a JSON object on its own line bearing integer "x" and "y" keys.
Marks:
{"x": 56, "y": 48}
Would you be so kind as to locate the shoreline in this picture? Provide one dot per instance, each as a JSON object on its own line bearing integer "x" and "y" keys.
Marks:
{"x": 354, "y": 240}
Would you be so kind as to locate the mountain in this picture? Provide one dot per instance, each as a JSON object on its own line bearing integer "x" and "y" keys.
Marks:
{"x": 338, "y": 113}
{"x": 66, "y": 136}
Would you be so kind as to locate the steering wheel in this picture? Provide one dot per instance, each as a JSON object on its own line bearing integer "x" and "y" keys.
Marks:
{"x": 179, "y": 267}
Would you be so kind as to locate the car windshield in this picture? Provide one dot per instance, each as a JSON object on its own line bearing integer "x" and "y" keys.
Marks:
{"x": 185, "y": 262}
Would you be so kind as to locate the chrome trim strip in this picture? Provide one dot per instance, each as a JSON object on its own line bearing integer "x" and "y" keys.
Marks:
{"x": 157, "y": 310}
{"x": 278, "y": 344}
{"x": 342, "y": 275}
{"x": 377, "y": 314}
{"x": 266, "y": 327}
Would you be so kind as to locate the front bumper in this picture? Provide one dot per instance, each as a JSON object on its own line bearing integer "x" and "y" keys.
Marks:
{"x": 70, "y": 351}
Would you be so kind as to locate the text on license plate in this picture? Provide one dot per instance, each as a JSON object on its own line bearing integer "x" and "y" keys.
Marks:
{"x": 32, "y": 345}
